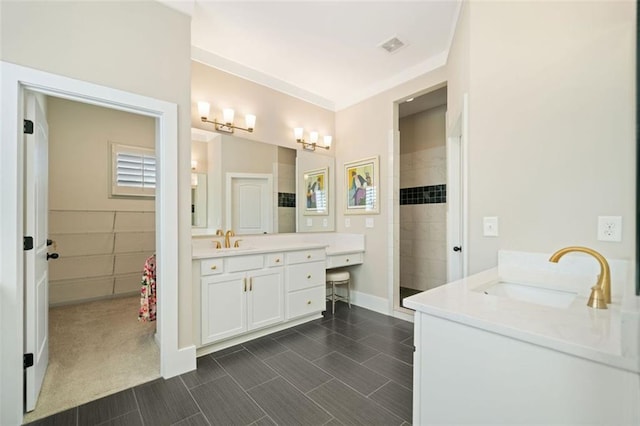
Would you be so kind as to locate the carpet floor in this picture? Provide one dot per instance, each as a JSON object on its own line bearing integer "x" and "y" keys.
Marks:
{"x": 95, "y": 349}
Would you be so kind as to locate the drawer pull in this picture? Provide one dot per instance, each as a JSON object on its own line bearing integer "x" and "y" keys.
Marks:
{"x": 251, "y": 284}
{"x": 278, "y": 260}
{"x": 308, "y": 256}
{"x": 245, "y": 284}
{"x": 214, "y": 267}
{"x": 309, "y": 276}
{"x": 308, "y": 302}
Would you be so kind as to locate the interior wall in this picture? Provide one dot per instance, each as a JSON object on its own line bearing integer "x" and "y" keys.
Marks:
{"x": 310, "y": 222}
{"x": 552, "y": 142}
{"x": 102, "y": 241}
{"x": 140, "y": 47}
{"x": 423, "y": 208}
{"x": 276, "y": 113}
{"x": 369, "y": 128}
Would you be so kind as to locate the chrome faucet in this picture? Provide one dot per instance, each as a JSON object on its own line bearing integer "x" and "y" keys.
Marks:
{"x": 227, "y": 239}
{"x": 601, "y": 292}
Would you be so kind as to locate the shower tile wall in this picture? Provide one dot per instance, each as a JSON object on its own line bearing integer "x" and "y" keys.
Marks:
{"x": 286, "y": 190}
{"x": 423, "y": 262}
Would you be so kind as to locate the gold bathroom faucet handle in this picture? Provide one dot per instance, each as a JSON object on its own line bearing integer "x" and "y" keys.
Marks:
{"x": 237, "y": 243}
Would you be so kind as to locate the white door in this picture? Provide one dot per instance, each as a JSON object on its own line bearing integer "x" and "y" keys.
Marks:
{"x": 251, "y": 205}
{"x": 456, "y": 199}
{"x": 265, "y": 298}
{"x": 224, "y": 306}
{"x": 36, "y": 272}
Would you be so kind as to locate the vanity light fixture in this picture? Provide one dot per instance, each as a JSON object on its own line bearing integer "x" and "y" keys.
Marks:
{"x": 298, "y": 133}
{"x": 227, "y": 116}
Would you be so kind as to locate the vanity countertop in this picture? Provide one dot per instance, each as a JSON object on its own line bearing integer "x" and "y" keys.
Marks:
{"x": 209, "y": 252}
{"x": 594, "y": 334}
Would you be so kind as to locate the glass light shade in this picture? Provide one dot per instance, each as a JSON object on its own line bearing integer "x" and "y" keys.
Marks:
{"x": 194, "y": 179}
{"x": 297, "y": 132}
{"x": 203, "y": 109}
{"x": 313, "y": 137}
{"x": 194, "y": 164}
{"x": 327, "y": 140}
{"x": 227, "y": 115}
{"x": 250, "y": 119}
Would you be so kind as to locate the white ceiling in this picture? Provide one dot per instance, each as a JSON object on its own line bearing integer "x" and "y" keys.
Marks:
{"x": 324, "y": 52}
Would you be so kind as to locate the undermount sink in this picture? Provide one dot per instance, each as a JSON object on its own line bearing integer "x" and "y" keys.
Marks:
{"x": 531, "y": 294}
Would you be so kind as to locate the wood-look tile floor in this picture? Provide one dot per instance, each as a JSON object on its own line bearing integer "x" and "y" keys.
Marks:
{"x": 354, "y": 367}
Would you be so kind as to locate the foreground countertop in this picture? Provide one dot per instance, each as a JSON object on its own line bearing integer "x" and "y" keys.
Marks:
{"x": 578, "y": 330}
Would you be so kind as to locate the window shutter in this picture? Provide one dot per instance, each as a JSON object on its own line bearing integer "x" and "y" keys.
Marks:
{"x": 133, "y": 171}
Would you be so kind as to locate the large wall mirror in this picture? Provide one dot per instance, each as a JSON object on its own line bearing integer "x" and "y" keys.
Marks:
{"x": 254, "y": 187}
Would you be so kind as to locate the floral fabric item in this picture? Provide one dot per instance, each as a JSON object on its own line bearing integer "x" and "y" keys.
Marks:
{"x": 148, "y": 291}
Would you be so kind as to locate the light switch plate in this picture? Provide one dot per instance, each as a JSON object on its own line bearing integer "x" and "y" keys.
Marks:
{"x": 309, "y": 221}
{"x": 325, "y": 222}
{"x": 369, "y": 222}
{"x": 347, "y": 222}
{"x": 490, "y": 226}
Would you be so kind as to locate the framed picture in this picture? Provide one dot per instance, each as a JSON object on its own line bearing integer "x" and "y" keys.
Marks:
{"x": 316, "y": 185}
{"x": 362, "y": 186}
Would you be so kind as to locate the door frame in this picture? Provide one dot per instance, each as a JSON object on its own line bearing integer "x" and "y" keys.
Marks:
{"x": 15, "y": 79}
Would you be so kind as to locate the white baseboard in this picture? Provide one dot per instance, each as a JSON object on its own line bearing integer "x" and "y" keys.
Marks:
{"x": 181, "y": 361}
{"x": 368, "y": 301}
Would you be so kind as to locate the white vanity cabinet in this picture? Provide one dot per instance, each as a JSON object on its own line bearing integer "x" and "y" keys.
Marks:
{"x": 243, "y": 293}
{"x": 305, "y": 282}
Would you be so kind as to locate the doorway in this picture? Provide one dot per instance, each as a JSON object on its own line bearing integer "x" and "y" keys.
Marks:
{"x": 15, "y": 80}
{"x": 423, "y": 193}
{"x": 103, "y": 241}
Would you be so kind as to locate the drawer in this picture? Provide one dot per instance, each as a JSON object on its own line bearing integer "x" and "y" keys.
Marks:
{"x": 305, "y": 302}
{"x": 306, "y": 256}
{"x": 211, "y": 266}
{"x": 274, "y": 259}
{"x": 339, "y": 260}
{"x": 305, "y": 275}
{"x": 244, "y": 263}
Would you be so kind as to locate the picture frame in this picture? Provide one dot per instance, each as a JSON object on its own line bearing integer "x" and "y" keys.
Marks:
{"x": 316, "y": 187}
{"x": 362, "y": 186}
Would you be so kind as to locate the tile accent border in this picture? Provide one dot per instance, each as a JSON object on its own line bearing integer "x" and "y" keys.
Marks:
{"x": 431, "y": 194}
{"x": 286, "y": 199}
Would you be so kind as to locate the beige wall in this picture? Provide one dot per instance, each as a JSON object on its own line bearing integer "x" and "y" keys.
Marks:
{"x": 277, "y": 113}
{"x": 141, "y": 47}
{"x": 102, "y": 241}
{"x": 368, "y": 127}
{"x": 552, "y": 142}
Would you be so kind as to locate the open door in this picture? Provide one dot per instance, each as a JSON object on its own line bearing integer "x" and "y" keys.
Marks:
{"x": 36, "y": 309}
{"x": 457, "y": 257}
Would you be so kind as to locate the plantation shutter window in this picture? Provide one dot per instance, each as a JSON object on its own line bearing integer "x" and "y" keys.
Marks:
{"x": 133, "y": 171}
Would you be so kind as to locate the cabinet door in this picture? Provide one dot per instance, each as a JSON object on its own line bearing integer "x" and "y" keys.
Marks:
{"x": 224, "y": 311}
{"x": 265, "y": 297}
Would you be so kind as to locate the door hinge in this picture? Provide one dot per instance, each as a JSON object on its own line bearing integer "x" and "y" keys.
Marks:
{"x": 27, "y": 243}
{"x": 27, "y": 361}
{"x": 28, "y": 127}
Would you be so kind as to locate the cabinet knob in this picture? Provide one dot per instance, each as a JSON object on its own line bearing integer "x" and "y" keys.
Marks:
{"x": 213, "y": 267}
{"x": 278, "y": 260}
{"x": 308, "y": 302}
{"x": 308, "y": 277}
{"x": 308, "y": 256}
{"x": 347, "y": 259}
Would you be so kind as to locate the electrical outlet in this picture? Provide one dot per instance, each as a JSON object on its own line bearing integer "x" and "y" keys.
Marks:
{"x": 325, "y": 222}
{"x": 309, "y": 221}
{"x": 610, "y": 228}
{"x": 368, "y": 222}
{"x": 347, "y": 222}
{"x": 490, "y": 226}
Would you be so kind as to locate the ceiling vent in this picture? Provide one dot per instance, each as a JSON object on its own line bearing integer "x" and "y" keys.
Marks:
{"x": 392, "y": 45}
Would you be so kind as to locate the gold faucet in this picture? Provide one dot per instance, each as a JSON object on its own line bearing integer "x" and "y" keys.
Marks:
{"x": 601, "y": 292}
{"x": 227, "y": 240}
